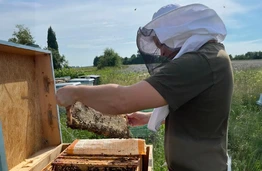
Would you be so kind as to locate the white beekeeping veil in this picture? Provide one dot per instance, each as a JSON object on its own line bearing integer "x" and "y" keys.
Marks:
{"x": 178, "y": 27}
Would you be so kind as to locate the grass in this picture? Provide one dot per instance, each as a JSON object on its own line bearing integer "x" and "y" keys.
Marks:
{"x": 108, "y": 75}
{"x": 245, "y": 123}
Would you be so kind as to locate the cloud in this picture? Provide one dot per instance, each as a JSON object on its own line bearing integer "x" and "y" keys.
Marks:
{"x": 234, "y": 23}
{"x": 131, "y": 42}
{"x": 25, "y": 4}
{"x": 84, "y": 46}
{"x": 99, "y": 42}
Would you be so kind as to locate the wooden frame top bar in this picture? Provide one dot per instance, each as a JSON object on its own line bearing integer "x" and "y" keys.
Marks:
{"x": 21, "y": 49}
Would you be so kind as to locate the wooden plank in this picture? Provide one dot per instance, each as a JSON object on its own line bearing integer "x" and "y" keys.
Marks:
{"x": 140, "y": 164}
{"x": 107, "y": 147}
{"x": 110, "y": 162}
{"x": 14, "y": 48}
{"x": 20, "y": 113}
{"x": 64, "y": 156}
{"x": 150, "y": 157}
{"x": 48, "y": 167}
{"x": 46, "y": 88}
{"x": 40, "y": 160}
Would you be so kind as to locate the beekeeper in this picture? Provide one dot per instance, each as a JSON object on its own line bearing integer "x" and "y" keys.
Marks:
{"x": 190, "y": 87}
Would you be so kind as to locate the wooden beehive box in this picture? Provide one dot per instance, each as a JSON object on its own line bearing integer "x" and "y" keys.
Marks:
{"x": 30, "y": 135}
{"x": 28, "y": 110}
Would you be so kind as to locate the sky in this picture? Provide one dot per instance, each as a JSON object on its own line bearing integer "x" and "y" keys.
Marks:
{"x": 85, "y": 28}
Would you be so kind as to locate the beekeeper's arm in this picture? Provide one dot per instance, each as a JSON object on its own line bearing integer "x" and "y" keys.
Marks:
{"x": 112, "y": 98}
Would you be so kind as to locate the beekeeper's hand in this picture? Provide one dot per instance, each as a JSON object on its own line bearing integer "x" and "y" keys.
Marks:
{"x": 66, "y": 96}
{"x": 138, "y": 118}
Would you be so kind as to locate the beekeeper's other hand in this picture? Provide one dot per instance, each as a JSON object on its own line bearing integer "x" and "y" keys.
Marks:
{"x": 138, "y": 118}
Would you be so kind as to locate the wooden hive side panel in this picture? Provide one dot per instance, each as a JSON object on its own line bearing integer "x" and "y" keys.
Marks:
{"x": 28, "y": 110}
{"x": 19, "y": 107}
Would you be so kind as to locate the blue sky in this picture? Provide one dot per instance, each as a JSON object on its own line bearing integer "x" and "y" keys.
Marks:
{"x": 84, "y": 28}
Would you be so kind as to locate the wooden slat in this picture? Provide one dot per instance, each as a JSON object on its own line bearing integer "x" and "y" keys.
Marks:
{"x": 150, "y": 158}
{"x": 107, "y": 147}
{"x": 48, "y": 167}
{"x": 20, "y": 49}
{"x": 98, "y": 157}
{"x": 140, "y": 164}
{"x": 106, "y": 163}
{"x": 46, "y": 89}
{"x": 39, "y": 160}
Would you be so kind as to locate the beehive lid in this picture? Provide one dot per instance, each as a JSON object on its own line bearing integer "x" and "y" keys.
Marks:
{"x": 28, "y": 110}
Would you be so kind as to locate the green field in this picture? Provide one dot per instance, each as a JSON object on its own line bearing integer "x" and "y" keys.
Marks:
{"x": 245, "y": 123}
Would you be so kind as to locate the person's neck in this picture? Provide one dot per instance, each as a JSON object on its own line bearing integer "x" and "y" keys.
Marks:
{"x": 173, "y": 54}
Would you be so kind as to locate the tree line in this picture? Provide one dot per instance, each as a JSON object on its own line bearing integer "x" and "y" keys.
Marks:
{"x": 22, "y": 35}
{"x": 111, "y": 58}
{"x": 248, "y": 56}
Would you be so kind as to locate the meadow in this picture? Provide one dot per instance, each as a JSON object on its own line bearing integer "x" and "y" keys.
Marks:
{"x": 245, "y": 122}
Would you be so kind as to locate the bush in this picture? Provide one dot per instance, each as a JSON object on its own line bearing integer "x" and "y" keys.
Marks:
{"x": 109, "y": 59}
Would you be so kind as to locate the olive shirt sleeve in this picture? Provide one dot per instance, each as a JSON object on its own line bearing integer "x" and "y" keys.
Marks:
{"x": 182, "y": 79}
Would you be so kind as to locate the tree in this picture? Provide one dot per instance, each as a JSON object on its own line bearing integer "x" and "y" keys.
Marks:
{"x": 59, "y": 61}
{"x": 110, "y": 58}
{"x": 126, "y": 61}
{"x": 23, "y": 36}
{"x": 51, "y": 39}
{"x": 134, "y": 59}
{"x": 96, "y": 60}
{"x": 249, "y": 55}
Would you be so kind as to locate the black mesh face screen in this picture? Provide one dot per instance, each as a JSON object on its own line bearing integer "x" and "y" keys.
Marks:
{"x": 149, "y": 51}
{"x": 153, "y": 62}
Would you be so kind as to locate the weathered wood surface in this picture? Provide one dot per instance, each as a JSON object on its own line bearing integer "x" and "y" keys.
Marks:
{"x": 86, "y": 118}
{"x": 39, "y": 160}
{"x": 19, "y": 107}
{"x": 110, "y": 147}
